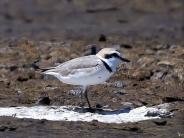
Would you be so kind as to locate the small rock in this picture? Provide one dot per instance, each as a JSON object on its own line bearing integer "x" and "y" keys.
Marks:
{"x": 159, "y": 75}
{"x": 127, "y": 46}
{"x": 173, "y": 99}
{"x": 76, "y": 91}
{"x": 120, "y": 92}
{"x": 5, "y": 81}
{"x": 19, "y": 91}
{"x": 91, "y": 50}
{"x": 94, "y": 121}
{"x": 116, "y": 84}
{"x": 134, "y": 85}
{"x": 166, "y": 63}
{"x": 114, "y": 100}
{"x": 179, "y": 73}
{"x": 101, "y": 9}
{"x": 122, "y": 21}
{"x": 160, "y": 122}
{"x": 102, "y": 38}
{"x": 12, "y": 128}
{"x": 45, "y": 57}
{"x": 98, "y": 106}
{"x": 145, "y": 62}
{"x": 134, "y": 129}
{"x": 50, "y": 87}
{"x": 152, "y": 114}
{"x": 44, "y": 101}
{"x": 127, "y": 104}
{"x": 22, "y": 78}
{"x": 137, "y": 103}
{"x": 144, "y": 103}
{"x": 42, "y": 121}
{"x": 3, "y": 128}
{"x": 12, "y": 68}
{"x": 161, "y": 47}
{"x": 162, "y": 114}
{"x": 142, "y": 75}
{"x": 119, "y": 84}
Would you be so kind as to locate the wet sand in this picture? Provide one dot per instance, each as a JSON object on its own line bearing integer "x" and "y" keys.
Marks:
{"x": 42, "y": 33}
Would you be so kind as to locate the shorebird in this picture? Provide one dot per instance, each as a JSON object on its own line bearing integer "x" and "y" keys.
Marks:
{"x": 88, "y": 70}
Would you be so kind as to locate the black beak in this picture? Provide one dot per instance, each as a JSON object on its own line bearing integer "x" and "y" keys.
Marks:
{"x": 123, "y": 59}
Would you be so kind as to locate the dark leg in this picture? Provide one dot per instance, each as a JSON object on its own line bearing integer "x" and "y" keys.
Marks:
{"x": 86, "y": 95}
{"x": 81, "y": 98}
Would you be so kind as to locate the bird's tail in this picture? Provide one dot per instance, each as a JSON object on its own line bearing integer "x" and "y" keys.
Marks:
{"x": 44, "y": 70}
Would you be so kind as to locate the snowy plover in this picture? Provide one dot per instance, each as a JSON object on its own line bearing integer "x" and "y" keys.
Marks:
{"x": 88, "y": 70}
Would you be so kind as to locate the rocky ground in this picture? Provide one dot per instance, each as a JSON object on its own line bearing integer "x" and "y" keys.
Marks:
{"x": 37, "y": 34}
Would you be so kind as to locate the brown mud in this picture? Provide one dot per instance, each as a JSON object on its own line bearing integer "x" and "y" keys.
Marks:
{"x": 36, "y": 33}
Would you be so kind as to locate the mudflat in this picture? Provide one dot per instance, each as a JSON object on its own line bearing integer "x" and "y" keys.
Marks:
{"x": 37, "y": 34}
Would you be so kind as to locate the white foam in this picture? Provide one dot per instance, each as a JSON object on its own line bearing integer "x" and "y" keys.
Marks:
{"x": 67, "y": 113}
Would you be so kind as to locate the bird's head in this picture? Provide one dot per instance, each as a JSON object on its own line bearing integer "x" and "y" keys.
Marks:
{"x": 111, "y": 56}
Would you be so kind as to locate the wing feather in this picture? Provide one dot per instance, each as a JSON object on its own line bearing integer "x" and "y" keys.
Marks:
{"x": 86, "y": 65}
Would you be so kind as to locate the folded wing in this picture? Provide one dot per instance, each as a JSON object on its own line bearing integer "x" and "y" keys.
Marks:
{"x": 84, "y": 66}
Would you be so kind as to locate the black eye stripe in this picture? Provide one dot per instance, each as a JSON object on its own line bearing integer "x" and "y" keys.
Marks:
{"x": 107, "y": 56}
{"x": 115, "y": 55}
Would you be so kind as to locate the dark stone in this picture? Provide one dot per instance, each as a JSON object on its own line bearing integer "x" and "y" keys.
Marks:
{"x": 134, "y": 129}
{"x": 122, "y": 21}
{"x": 84, "y": 110}
{"x": 161, "y": 47}
{"x": 12, "y": 128}
{"x": 146, "y": 76}
{"x": 98, "y": 106}
{"x": 144, "y": 103}
{"x": 32, "y": 65}
{"x": 152, "y": 114}
{"x": 28, "y": 20}
{"x": 12, "y": 68}
{"x": 42, "y": 121}
{"x": 127, "y": 46}
{"x": 44, "y": 101}
{"x": 160, "y": 122}
{"x": 173, "y": 99}
{"x": 21, "y": 78}
{"x": 8, "y": 16}
{"x": 119, "y": 93}
{"x": 102, "y": 38}
{"x": 97, "y": 10}
{"x": 93, "y": 50}
{"x": 3, "y": 128}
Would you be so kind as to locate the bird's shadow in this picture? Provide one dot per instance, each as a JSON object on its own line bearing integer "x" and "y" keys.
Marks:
{"x": 102, "y": 111}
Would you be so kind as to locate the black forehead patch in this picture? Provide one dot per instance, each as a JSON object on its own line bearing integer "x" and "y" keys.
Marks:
{"x": 107, "y": 56}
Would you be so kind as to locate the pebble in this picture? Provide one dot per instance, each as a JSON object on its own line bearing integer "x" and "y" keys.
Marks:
{"x": 44, "y": 101}
{"x": 160, "y": 122}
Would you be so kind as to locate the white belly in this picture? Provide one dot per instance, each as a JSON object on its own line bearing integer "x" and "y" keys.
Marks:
{"x": 96, "y": 78}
